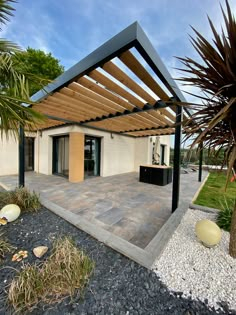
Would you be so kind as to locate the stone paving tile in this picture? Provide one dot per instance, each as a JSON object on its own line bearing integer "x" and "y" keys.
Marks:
{"x": 125, "y": 228}
{"x": 112, "y": 216}
{"x": 121, "y": 204}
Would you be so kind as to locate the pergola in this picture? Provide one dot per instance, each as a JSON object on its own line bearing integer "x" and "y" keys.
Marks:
{"x": 122, "y": 87}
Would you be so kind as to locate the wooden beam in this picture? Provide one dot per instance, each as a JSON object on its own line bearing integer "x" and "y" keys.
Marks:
{"x": 90, "y": 103}
{"x": 138, "y": 69}
{"x": 49, "y": 109}
{"x": 115, "y": 88}
{"x": 121, "y": 76}
{"x": 97, "y": 97}
{"x": 91, "y": 110}
{"x": 74, "y": 106}
{"x": 62, "y": 108}
{"x": 88, "y": 100}
{"x": 105, "y": 93}
{"x": 151, "y": 133}
{"x": 110, "y": 125}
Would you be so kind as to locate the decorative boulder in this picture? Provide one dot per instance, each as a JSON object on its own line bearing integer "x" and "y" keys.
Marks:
{"x": 40, "y": 251}
{"x": 208, "y": 232}
{"x": 11, "y": 212}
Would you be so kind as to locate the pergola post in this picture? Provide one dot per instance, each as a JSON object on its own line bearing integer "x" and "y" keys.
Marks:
{"x": 176, "y": 170}
{"x": 21, "y": 157}
{"x": 200, "y": 162}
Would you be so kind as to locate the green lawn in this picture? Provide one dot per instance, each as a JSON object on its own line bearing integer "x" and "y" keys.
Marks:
{"x": 213, "y": 193}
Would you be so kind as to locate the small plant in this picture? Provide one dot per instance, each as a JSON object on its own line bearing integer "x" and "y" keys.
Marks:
{"x": 27, "y": 289}
{"x": 62, "y": 274}
{"x": 26, "y": 200}
{"x": 225, "y": 216}
{"x": 5, "y": 247}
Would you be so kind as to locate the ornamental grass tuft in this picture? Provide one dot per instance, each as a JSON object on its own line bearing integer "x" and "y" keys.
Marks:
{"x": 65, "y": 273}
{"x": 5, "y": 247}
{"x": 26, "y": 200}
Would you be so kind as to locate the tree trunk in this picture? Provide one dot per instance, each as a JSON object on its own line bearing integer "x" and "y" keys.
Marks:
{"x": 232, "y": 241}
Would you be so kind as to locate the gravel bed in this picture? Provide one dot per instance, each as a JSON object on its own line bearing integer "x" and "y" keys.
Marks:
{"x": 117, "y": 286}
{"x": 199, "y": 272}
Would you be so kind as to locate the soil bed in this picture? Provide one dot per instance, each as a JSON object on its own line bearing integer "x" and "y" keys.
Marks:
{"x": 117, "y": 286}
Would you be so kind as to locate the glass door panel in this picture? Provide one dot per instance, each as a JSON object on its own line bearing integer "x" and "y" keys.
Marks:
{"x": 91, "y": 156}
{"x": 61, "y": 155}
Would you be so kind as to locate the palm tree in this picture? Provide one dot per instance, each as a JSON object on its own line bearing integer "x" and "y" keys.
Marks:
{"x": 214, "y": 121}
{"x": 14, "y": 85}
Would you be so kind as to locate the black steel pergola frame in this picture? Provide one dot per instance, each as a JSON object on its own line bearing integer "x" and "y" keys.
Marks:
{"x": 131, "y": 37}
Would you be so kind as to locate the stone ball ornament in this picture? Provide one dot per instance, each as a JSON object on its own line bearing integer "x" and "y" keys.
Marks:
{"x": 208, "y": 232}
{"x": 11, "y": 212}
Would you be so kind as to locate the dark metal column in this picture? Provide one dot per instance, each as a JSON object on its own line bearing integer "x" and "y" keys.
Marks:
{"x": 21, "y": 157}
{"x": 176, "y": 170}
{"x": 200, "y": 162}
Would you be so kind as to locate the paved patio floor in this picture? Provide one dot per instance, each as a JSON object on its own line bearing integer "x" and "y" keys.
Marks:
{"x": 120, "y": 204}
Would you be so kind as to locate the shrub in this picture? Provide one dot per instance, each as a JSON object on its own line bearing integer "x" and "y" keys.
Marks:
{"x": 224, "y": 217}
{"x": 26, "y": 200}
{"x": 62, "y": 274}
{"x": 5, "y": 247}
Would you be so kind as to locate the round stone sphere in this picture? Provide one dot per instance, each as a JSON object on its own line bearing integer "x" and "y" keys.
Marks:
{"x": 11, "y": 212}
{"x": 208, "y": 232}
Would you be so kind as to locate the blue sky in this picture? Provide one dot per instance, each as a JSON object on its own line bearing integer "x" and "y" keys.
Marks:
{"x": 72, "y": 29}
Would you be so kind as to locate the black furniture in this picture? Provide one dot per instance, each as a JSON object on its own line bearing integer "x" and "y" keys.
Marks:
{"x": 155, "y": 174}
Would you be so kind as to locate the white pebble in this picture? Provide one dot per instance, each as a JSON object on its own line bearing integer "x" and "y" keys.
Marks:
{"x": 186, "y": 265}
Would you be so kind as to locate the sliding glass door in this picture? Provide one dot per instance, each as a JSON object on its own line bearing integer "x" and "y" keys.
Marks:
{"x": 61, "y": 156}
{"x": 91, "y": 156}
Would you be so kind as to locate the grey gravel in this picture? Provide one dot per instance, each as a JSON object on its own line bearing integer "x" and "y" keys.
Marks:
{"x": 118, "y": 285}
{"x": 206, "y": 274}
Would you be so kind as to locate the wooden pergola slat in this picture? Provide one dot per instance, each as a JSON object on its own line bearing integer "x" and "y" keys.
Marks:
{"x": 138, "y": 69}
{"x": 118, "y": 74}
{"x": 95, "y": 96}
{"x": 105, "y": 93}
{"x": 91, "y": 102}
{"x": 63, "y": 107}
{"x": 115, "y": 88}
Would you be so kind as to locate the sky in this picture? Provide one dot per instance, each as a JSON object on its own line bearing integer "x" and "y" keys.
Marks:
{"x": 72, "y": 29}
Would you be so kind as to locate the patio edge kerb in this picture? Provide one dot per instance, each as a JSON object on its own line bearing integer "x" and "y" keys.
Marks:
{"x": 129, "y": 250}
{"x": 159, "y": 242}
{"x": 199, "y": 188}
{"x": 203, "y": 208}
{"x": 4, "y": 186}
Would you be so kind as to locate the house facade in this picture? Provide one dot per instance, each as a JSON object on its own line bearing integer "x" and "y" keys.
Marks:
{"x": 79, "y": 153}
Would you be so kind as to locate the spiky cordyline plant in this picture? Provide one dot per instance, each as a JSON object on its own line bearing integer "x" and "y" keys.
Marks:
{"x": 214, "y": 121}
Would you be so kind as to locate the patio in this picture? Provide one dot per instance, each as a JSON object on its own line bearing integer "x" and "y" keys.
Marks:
{"x": 117, "y": 210}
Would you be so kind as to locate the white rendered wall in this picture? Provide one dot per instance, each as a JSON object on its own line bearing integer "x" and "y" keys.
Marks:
{"x": 142, "y": 152}
{"x": 9, "y": 154}
{"x": 117, "y": 152}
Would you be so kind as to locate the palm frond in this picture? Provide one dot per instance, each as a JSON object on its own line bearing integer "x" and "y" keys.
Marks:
{"x": 6, "y": 10}
{"x": 214, "y": 122}
{"x": 9, "y": 47}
